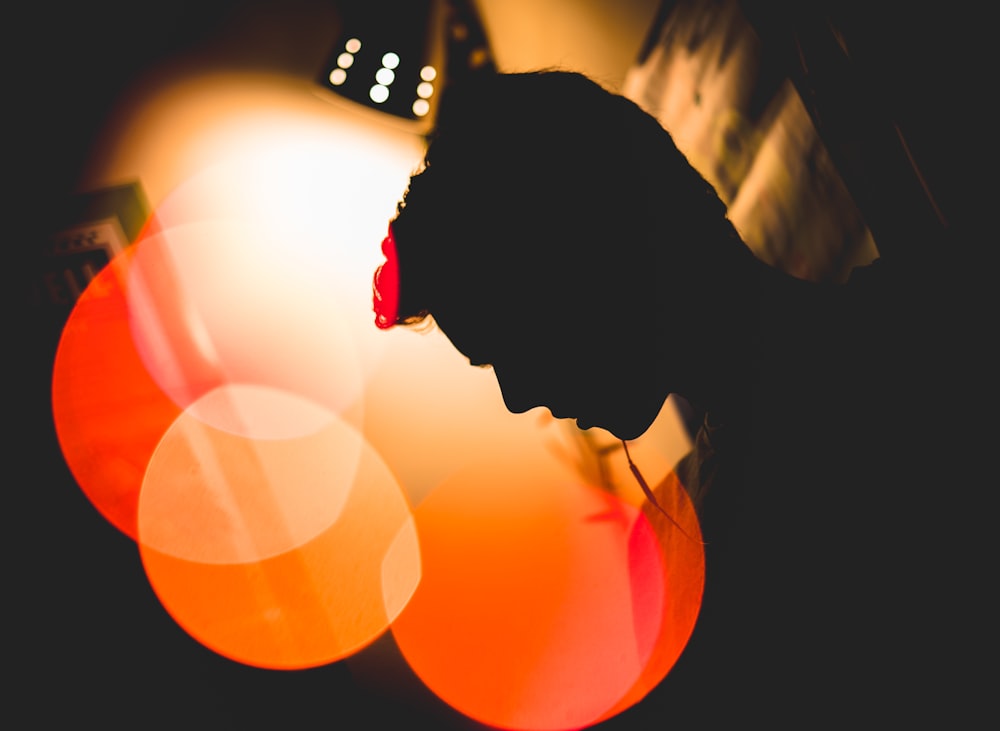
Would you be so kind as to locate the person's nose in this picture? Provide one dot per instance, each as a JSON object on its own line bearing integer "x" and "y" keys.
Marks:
{"x": 517, "y": 395}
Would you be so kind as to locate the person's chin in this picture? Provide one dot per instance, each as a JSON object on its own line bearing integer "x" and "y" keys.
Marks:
{"x": 625, "y": 430}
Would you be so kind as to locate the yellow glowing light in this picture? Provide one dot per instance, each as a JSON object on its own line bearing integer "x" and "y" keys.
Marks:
{"x": 425, "y": 90}
{"x": 345, "y": 60}
{"x": 390, "y": 60}
{"x": 385, "y": 76}
{"x": 353, "y": 45}
{"x": 378, "y": 93}
{"x": 428, "y": 73}
{"x": 338, "y": 77}
{"x": 421, "y": 107}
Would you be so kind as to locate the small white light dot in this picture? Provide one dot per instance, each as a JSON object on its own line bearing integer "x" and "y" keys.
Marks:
{"x": 353, "y": 45}
{"x": 428, "y": 73}
{"x": 390, "y": 60}
{"x": 338, "y": 77}
{"x": 378, "y": 93}
{"x": 421, "y": 107}
{"x": 384, "y": 76}
{"x": 424, "y": 90}
{"x": 345, "y": 60}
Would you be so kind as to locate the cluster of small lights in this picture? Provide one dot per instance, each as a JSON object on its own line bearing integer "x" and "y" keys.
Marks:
{"x": 379, "y": 92}
{"x": 384, "y": 78}
{"x": 344, "y": 61}
{"x": 424, "y": 91}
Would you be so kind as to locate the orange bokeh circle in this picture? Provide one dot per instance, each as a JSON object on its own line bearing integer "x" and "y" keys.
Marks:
{"x": 548, "y": 604}
{"x": 314, "y": 604}
{"x": 109, "y": 414}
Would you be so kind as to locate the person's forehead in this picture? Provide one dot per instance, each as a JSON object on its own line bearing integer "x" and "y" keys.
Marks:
{"x": 512, "y": 339}
{"x": 471, "y": 338}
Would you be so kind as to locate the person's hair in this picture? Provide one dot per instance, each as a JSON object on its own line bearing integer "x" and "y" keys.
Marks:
{"x": 540, "y": 188}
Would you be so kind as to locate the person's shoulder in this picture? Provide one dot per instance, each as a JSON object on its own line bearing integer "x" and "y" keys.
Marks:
{"x": 938, "y": 277}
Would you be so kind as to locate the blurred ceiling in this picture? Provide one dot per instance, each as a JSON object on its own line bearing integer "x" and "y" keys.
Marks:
{"x": 74, "y": 60}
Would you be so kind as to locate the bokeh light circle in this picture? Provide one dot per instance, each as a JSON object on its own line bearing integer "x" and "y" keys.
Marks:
{"x": 682, "y": 573}
{"x": 309, "y": 606}
{"x": 211, "y": 496}
{"x": 545, "y": 604}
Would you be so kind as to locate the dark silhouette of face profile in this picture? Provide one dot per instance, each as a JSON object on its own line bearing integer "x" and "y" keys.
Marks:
{"x": 556, "y": 234}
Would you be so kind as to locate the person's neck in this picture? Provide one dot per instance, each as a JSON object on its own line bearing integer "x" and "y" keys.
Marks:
{"x": 746, "y": 325}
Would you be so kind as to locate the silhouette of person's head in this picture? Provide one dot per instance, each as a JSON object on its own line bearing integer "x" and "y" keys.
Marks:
{"x": 556, "y": 233}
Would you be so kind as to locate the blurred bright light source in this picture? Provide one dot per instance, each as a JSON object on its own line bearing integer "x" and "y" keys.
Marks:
{"x": 262, "y": 186}
{"x": 227, "y": 302}
{"x": 258, "y": 184}
{"x": 311, "y": 183}
{"x": 576, "y": 619}
{"x": 421, "y": 107}
{"x": 270, "y": 528}
{"x": 401, "y": 37}
{"x": 309, "y": 605}
{"x": 215, "y": 497}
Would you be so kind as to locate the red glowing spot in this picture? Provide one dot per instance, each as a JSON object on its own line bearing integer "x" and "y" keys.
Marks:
{"x": 109, "y": 413}
{"x": 547, "y": 605}
{"x": 385, "y": 287}
{"x": 679, "y": 569}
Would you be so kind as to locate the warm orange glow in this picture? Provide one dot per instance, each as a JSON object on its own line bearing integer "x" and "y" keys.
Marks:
{"x": 222, "y": 397}
{"x": 312, "y": 181}
{"x": 547, "y": 604}
{"x": 682, "y": 563}
{"x": 309, "y": 606}
{"x": 275, "y": 552}
{"x": 109, "y": 414}
{"x": 215, "y": 497}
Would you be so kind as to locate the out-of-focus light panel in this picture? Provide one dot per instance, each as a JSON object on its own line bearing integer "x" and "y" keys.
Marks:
{"x": 386, "y": 57}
